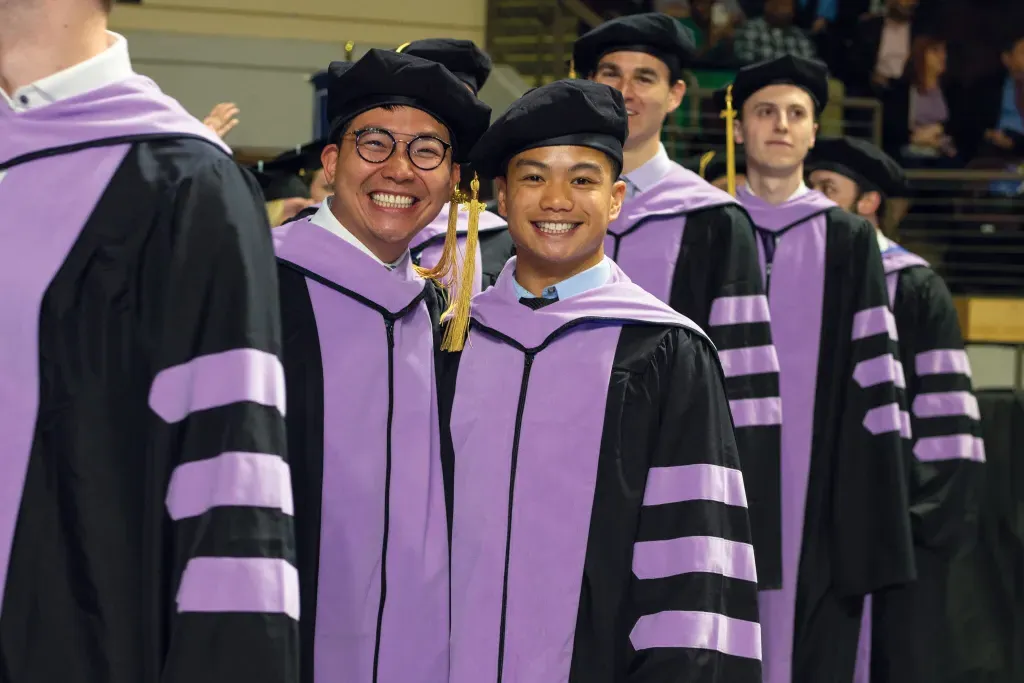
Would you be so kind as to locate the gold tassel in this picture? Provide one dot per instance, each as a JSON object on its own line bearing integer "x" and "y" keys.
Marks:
{"x": 403, "y": 46}
{"x": 704, "y": 161}
{"x": 443, "y": 272}
{"x": 457, "y": 314}
{"x": 572, "y": 68}
{"x": 730, "y": 142}
{"x": 349, "y": 47}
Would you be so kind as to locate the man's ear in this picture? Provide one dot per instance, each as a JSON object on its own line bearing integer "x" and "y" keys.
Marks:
{"x": 329, "y": 159}
{"x": 869, "y": 203}
{"x": 618, "y": 196}
{"x": 502, "y": 184}
{"x": 676, "y": 94}
{"x": 737, "y": 131}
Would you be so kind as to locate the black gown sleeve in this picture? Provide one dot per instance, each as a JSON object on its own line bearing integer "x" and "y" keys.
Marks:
{"x": 692, "y": 604}
{"x": 218, "y": 405}
{"x": 944, "y": 414}
{"x": 722, "y": 290}
{"x": 870, "y": 505}
{"x": 496, "y": 247}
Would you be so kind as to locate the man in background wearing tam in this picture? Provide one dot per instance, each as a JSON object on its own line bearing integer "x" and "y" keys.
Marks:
{"x": 906, "y": 635}
{"x": 692, "y": 246}
{"x": 846, "y": 524}
{"x": 360, "y": 335}
{"x": 472, "y": 66}
{"x": 145, "y": 507}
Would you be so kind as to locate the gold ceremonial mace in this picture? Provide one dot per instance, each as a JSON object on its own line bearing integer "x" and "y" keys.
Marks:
{"x": 730, "y": 142}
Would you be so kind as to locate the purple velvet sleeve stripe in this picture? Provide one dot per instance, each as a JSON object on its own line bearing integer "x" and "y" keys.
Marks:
{"x": 756, "y": 412}
{"x": 883, "y": 419}
{"x": 698, "y": 630}
{"x": 216, "y": 380}
{"x": 230, "y": 479}
{"x": 666, "y": 485}
{"x": 735, "y": 310}
{"x": 879, "y": 370}
{"x": 753, "y": 360}
{"x": 694, "y": 554}
{"x": 954, "y": 447}
{"x": 239, "y": 584}
{"x": 905, "y": 429}
{"x": 872, "y": 321}
{"x": 943, "y": 362}
{"x": 947, "y": 404}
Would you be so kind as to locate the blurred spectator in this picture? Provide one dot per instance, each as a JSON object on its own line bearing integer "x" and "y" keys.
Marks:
{"x": 1005, "y": 110}
{"x": 773, "y": 35}
{"x": 879, "y": 49}
{"x": 816, "y": 15}
{"x": 917, "y": 116}
{"x": 712, "y": 22}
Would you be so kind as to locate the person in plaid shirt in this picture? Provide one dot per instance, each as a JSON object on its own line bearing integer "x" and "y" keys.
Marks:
{"x": 772, "y": 35}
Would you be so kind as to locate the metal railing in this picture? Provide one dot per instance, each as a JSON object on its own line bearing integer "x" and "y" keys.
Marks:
{"x": 969, "y": 225}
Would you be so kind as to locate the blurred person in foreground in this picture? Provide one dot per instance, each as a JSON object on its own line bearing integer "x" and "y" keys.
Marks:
{"x": 145, "y": 506}
{"x": 846, "y": 526}
{"x": 361, "y": 331}
{"x": 907, "y": 635}
{"x": 692, "y": 246}
{"x": 472, "y": 66}
{"x": 600, "y": 532}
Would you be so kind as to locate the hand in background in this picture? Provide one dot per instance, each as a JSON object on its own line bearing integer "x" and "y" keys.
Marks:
{"x": 999, "y": 139}
{"x": 927, "y": 136}
{"x": 222, "y": 118}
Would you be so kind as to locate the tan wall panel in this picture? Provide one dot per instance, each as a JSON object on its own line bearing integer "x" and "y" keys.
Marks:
{"x": 378, "y": 22}
{"x": 267, "y": 78}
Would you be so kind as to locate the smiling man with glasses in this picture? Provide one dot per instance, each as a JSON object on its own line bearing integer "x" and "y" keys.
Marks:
{"x": 360, "y": 326}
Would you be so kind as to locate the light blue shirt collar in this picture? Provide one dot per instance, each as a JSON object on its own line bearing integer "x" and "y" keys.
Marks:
{"x": 650, "y": 172}
{"x": 591, "y": 278}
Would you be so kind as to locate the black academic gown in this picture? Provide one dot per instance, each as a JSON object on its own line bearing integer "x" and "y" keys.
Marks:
{"x": 372, "y": 538}
{"x": 911, "y": 634}
{"x": 692, "y": 246}
{"x": 846, "y": 524}
{"x": 600, "y": 527}
{"x": 143, "y": 475}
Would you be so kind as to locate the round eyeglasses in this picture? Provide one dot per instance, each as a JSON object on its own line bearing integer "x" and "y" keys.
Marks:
{"x": 376, "y": 146}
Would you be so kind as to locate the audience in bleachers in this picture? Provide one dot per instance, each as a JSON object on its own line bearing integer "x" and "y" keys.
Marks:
{"x": 942, "y": 104}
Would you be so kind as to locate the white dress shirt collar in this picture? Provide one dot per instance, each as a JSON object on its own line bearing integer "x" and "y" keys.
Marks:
{"x": 110, "y": 66}
{"x": 326, "y": 219}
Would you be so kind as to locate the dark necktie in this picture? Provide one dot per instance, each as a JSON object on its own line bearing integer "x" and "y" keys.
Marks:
{"x": 538, "y": 302}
